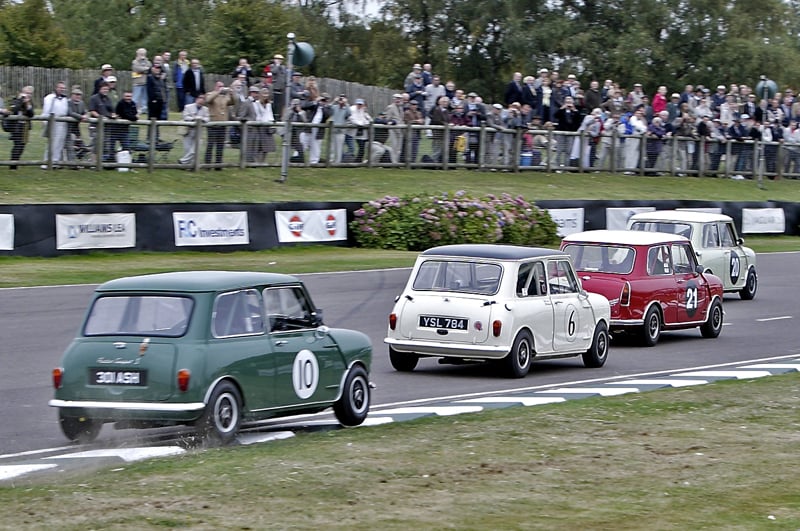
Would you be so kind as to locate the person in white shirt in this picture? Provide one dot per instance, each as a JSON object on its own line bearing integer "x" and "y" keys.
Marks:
{"x": 56, "y": 104}
{"x": 193, "y": 112}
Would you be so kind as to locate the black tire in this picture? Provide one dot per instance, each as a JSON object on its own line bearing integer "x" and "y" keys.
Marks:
{"x": 748, "y": 292}
{"x": 518, "y": 361}
{"x": 597, "y": 354}
{"x": 713, "y": 325}
{"x": 353, "y": 406}
{"x": 651, "y": 328}
{"x": 81, "y": 429}
{"x": 222, "y": 417}
{"x": 402, "y": 361}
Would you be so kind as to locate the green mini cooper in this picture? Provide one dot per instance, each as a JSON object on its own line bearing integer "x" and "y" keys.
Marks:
{"x": 209, "y": 349}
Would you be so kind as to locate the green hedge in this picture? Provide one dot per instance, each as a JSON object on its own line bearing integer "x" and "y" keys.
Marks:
{"x": 417, "y": 223}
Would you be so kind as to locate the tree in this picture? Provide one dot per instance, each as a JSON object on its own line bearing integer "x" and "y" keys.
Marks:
{"x": 29, "y": 37}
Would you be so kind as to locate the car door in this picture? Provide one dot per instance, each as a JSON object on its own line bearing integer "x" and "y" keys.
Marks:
{"x": 691, "y": 295}
{"x": 661, "y": 285}
{"x": 309, "y": 363}
{"x": 712, "y": 255}
{"x": 734, "y": 275}
{"x": 535, "y": 306}
{"x": 240, "y": 347}
{"x": 571, "y": 311}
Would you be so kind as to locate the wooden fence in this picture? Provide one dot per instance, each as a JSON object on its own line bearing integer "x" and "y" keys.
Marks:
{"x": 43, "y": 80}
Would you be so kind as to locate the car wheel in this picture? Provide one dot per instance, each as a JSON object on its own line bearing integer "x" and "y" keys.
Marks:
{"x": 651, "y": 330}
{"x": 596, "y": 355}
{"x": 81, "y": 429}
{"x": 222, "y": 416}
{"x": 748, "y": 292}
{"x": 352, "y": 407}
{"x": 402, "y": 361}
{"x": 713, "y": 325}
{"x": 518, "y": 361}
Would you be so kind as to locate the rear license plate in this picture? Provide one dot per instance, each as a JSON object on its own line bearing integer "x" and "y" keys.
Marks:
{"x": 449, "y": 323}
{"x": 136, "y": 378}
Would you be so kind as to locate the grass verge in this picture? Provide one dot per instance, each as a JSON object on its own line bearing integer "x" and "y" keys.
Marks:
{"x": 717, "y": 456}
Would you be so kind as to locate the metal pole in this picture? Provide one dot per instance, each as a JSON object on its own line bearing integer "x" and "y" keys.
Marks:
{"x": 287, "y": 127}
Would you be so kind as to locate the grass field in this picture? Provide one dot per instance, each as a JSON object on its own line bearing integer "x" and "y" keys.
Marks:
{"x": 716, "y": 456}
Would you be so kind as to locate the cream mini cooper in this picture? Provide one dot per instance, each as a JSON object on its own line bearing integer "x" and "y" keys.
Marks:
{"x": 719, "y": 247}
{"x": 496, "y": 303}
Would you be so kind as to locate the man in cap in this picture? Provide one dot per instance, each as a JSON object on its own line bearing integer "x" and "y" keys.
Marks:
{"x": 318, "y": 112}
{"x": 476, "y": 114}
{"x": 718, "y": 98}
{"x": 278, "y": 86}
{"x": 246, "y": 112}
{"x": 77, "y": 111}
{"x": 218, "y": 101}
{"x": 416, "y": 70}
{"x": 105, "y": 71}
{"x": 495, "y": 123}
{"x": 297, "y": 90}
{"x": 395, "y": 115}
{"x": 340, "y": 116}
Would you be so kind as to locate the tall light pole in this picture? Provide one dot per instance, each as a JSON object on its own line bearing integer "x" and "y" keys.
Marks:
{"x": 297, "y": 54}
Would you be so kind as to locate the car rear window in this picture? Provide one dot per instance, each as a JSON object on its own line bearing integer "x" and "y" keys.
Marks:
{"x": 139, "y": 315}
{"x": 602, "y": 258}
{"x": 670, "y": 227}
{"x": 458, "y": 276}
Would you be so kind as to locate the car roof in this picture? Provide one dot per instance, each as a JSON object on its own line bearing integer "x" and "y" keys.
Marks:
{"x": 196, "y": 281}
{"x": 688, "y": 216}
{"x": 624, "y": 237}
{"x": 492, "y": 251}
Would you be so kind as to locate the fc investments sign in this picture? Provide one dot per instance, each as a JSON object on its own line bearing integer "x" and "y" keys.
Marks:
{"x": 95, "y": 231}
{"x": 210, "y": 228}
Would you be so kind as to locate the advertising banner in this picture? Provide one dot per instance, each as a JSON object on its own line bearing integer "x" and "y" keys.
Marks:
{"x": 617, "y": 218}
{"x": 95, "y": 231}
{"x": 6, "y": 232}
{"x": 210, "y": 228}
{"x": 568, "y": 220}
{"x": 311, "y": 225}
{"x": 763, "y": 220}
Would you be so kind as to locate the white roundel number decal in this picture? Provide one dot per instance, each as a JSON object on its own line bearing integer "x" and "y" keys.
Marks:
{"x": 736, "y": 268}
{"x": 691, "y": 300}
{"x": 305, "y": 374}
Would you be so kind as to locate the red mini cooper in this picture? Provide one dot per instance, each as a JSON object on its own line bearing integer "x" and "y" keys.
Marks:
{"x": 651, "y": 279}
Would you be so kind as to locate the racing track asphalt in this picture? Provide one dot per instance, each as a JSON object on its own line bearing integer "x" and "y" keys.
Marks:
{"x": 38, "y": 323}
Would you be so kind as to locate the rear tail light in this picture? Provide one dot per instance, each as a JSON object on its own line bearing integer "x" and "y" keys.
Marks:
{"x": 58, "y": 374}
{"x": 625, "y": 296}
{"x": 497, "y": 327}
{"x": 183, "y": 379}
{"x": 393, "y": 321}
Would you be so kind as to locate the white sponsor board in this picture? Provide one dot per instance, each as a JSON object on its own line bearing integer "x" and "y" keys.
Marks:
{"x": 95, "y": 231}
{"x": 568, "y": 220}
{"x": 311, "y": 225}
{"x": 210, "y": 228}
{"x": 6, "y": 232}
{"x": 617, "y": 218}
{"x": 763, "y": 220}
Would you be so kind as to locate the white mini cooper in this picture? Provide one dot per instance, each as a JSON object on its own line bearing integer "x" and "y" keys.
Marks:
{"x": 716, "y": 242}
{"x": 496, "y": 302}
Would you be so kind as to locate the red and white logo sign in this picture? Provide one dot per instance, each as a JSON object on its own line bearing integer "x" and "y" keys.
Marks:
{"x": 296, "y": 226}
{"x": 330, "y": 224}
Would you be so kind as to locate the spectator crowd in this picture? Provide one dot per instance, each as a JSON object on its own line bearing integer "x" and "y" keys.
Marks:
{"x": 601, "y": 126}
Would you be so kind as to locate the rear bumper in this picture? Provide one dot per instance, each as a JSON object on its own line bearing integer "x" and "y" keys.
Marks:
{"x": 626, "y": 323}
{"x": 148, "y": 411}
{"x": 451, "y": 350}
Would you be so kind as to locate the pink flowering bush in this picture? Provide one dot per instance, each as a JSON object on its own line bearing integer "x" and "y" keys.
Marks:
{"x": 418, "y": 223}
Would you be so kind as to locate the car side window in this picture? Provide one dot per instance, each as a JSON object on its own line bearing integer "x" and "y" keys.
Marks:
{"x": 658, "y": 261}
{"x": 524, "y": 280}
{"x": 683, "y": 260}
{"x": 561, "y": 278}
{"x": 288, "y": 308}
{"x": 710, "y": 236}
{"x": 727, "y": 234}
{"x": 237, "y": 313}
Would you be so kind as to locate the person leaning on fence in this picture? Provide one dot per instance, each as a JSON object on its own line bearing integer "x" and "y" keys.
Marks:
{"x": 297, "y": 116}
{"x": 360, "y": 118}
{"x": 126, "y": 111}
{"x": 218, "y": 101}
{"x": 22, "y": 105}
{"x": 265, "y": 135}
{"x": 196, "y": 112}
{"x": 101, "y": 107}
{"x": 78, "y": 112}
